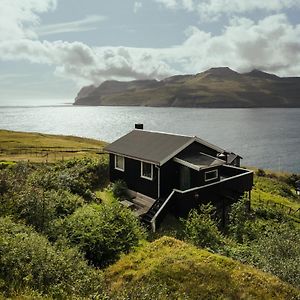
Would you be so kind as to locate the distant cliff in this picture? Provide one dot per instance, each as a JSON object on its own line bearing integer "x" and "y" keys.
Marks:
{"x": 216, "y": 87}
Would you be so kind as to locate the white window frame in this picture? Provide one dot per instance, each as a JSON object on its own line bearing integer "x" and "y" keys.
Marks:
{"x": 118, "y": 168}
{"x": 213, "y": 178}
{"x": 143, "y": 176}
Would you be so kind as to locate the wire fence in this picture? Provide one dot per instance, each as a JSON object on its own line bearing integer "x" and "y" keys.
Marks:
{"x": 46, "y": 153}
{"x": 279, "y": 206}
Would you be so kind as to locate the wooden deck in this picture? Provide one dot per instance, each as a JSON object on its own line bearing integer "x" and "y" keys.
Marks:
{"x": 138, "y": 203}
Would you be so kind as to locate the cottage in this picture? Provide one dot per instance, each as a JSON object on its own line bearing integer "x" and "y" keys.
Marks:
{"x": 174, "y": 173}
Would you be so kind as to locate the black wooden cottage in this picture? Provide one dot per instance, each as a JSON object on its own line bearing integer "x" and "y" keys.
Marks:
{"x": 174, "y": 173}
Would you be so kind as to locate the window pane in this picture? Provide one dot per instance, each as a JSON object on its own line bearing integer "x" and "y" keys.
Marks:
{"x": 146, "y": 170}
{"x": 119, "y": 162}
{"x": 211, "y": 175}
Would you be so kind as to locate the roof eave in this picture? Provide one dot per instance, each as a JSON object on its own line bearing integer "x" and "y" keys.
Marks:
{"x": 170, "y": 156}
{"x": 133, "y": 157}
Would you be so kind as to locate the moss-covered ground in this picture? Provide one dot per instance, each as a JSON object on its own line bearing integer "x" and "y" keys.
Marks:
{"x": 172, "y": 269}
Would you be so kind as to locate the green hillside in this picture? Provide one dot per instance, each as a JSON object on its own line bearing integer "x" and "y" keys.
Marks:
{"x": 64, "y": 234}
{"x": 171, "y": 269}
{"x": 37, "y": 147}
{"x": 216, "y": 87}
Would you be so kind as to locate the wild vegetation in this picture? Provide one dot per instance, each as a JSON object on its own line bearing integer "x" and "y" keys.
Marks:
{"x": 38, "y": 147}
{"x": 64, "y": 234}
{"x": 171, "y": 269}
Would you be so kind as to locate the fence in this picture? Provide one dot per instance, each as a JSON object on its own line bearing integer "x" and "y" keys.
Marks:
{"x": 45, "y": 154}
{"x": 284, "y": 208}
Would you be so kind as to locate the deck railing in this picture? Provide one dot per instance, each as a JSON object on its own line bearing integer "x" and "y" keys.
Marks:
{"x": 235, "y": 177}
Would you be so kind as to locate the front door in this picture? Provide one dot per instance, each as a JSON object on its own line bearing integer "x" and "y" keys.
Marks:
{"x": 185, "y": 178}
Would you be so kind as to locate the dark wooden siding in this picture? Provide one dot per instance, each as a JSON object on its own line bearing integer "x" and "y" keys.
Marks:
{"x": 169, "y": 178}
{"x": 199, "y": 179}
{"x": 132, "y": 176}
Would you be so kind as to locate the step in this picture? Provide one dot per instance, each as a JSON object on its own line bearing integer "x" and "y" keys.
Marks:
{"x": 145, "y": 198}
{"x": 142, "y": 202}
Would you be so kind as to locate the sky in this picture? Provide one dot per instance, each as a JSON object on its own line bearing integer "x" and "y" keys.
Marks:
{"x": 49, "y": 49}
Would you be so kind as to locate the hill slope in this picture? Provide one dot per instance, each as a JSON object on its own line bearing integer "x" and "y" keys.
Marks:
{"x": 216, "y": 87}
{"x": 171, "y": 269}
{"x": 37, "y": 147}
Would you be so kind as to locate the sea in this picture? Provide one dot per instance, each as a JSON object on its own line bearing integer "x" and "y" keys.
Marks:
{"x": 267, "y": 138}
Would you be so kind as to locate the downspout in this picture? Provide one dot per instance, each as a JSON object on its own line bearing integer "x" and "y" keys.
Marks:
{"x": 158, "y": 181}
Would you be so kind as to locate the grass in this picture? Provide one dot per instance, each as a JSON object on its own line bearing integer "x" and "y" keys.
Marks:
{"x": 273, "y": 192}
{"x": 105, "y": 196}
{"x": 171, "y": 269}
{"x": 38, "y": 147}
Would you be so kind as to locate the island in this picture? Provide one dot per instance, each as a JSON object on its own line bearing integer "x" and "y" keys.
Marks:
{"x": 214, "y": 88}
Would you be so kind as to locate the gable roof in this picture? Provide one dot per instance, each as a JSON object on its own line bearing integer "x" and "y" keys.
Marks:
{"x": 154, "y": 147}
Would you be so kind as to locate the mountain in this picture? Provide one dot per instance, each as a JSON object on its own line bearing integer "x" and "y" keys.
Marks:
{"x": 216, "y": 87}
{"x": 171, "y": 269}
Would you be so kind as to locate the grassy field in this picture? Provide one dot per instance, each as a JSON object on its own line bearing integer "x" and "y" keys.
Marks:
{"x": 273, "y": 192}
{"x": 38, "y": 147}
{"x": 171, "y": 269}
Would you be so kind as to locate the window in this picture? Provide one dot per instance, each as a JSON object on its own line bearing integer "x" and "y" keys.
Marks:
{"x": 146, "y": 170}
{"x": 211, "y": 175}
{"x": 119, "y": 162}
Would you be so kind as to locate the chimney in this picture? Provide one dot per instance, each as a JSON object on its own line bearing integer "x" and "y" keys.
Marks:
{"x": 139, "y": 126}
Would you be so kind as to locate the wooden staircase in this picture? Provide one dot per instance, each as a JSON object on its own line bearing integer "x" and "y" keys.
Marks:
{"x": 148, "y": 216}
{"x": 143, "y": 206}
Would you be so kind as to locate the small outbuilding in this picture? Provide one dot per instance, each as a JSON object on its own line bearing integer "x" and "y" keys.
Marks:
{"x": 174, "y": 173}
{"x": 297, "y": 183}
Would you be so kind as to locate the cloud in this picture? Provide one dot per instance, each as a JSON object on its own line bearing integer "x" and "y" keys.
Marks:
{"x": 213, "y": 9}
{"x": 271, "y": 44}
{"x": 73, "y": 60}
{"x": 178, "y": 4}
{"x": 84, "y": 64}
{"x": 86, "y": 24}
{"x": 17, "y": 17}
{"x": 137, "y": 6}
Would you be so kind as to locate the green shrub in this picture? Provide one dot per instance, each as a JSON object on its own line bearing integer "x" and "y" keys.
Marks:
{"x": 29, "y": 261}
{"x": 119, "y": 189}
{"x": 39, "y": 207}
{"x": 292, "y": 179}
{"x": 14, "y": 177}
{"x": 277, "y": 251}
{"x": 260, "y": 173}
{"x": 201, "y": 229}
{"x": 102, "y": 232}
{"x": 238, "y": 217}
{"x": 270, "y": 213}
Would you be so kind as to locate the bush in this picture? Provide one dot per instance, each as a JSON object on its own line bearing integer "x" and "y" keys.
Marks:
{"x": 238, "y": 218}
{"x": 261, "y": 173}
{"x": 39, "y": 207}
{"x": 29, "y": 261}
{"x": 292, "y": 179}
{"x": 270, "y": 213}
{"x": 102, "y": 232}
{"x": 119, "y": 189}
{"x": 201, "y": 229}
{"x": 277, "y": 251}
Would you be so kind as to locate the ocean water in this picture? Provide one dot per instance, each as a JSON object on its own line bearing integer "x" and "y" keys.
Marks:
{"x": 265, "y": 138}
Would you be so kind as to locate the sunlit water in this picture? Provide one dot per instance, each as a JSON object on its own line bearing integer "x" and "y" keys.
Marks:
{"x": 266, "y": 138}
